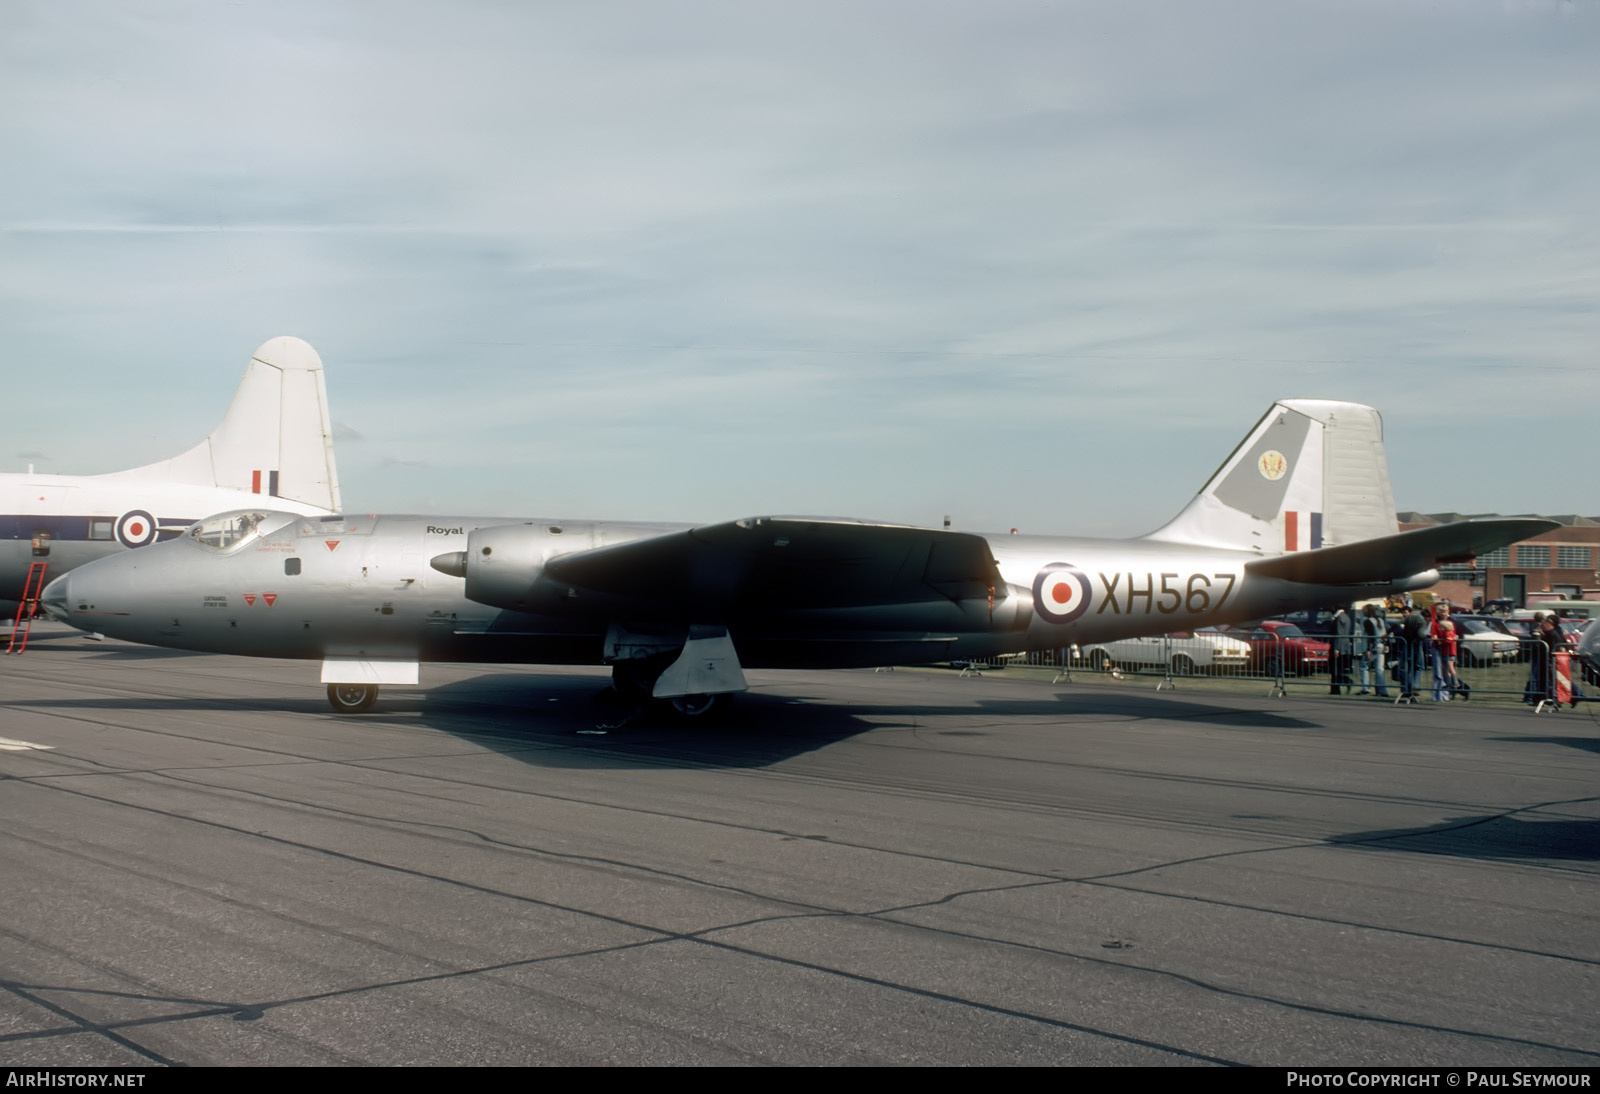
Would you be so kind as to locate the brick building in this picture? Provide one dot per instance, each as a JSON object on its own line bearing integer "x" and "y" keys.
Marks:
{"x": 1560, "y": 562}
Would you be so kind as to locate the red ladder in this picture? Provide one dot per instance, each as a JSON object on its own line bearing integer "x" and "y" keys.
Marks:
{"x": 31, "y": 588}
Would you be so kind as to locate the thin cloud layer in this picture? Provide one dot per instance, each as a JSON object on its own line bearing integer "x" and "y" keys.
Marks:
{"x": 1032, "y": 265}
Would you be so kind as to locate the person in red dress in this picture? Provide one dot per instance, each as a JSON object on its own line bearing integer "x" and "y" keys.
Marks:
{"x": 1443, "y": 634}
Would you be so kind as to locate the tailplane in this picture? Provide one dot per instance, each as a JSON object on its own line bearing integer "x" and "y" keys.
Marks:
{"x": 1311, "y": 474}
{"x": 276, "y": 439}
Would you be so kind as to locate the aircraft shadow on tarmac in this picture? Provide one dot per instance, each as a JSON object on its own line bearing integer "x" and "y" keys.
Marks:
{"x": 555, "y": 719}
{"x": 72, "y": 642}
{"x": 1586, "y": 744}
{"x": 755, "y": 729}
{"x": 139, "y": 653}
{"x": 574, "y": 721}
{"x": 1492, "y": 837}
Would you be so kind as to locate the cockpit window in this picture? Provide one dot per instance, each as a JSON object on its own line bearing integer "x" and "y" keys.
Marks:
{"x": 228, "y": 530}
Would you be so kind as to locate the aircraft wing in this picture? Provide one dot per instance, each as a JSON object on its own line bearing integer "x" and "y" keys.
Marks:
{"x": 1388, "y": 558}
{"x": 776, "y": 563}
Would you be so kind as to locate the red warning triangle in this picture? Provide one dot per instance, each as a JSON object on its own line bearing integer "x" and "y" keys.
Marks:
{"x": 269, "y": 598}
{"x": 332, "y": 543}
{"x": 249, "y": 600}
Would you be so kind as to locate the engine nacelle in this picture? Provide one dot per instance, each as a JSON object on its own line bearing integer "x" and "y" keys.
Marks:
{"x": 503, "y": 563}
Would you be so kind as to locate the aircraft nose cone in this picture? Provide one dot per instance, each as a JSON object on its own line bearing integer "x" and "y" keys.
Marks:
{"x": 55, "y": 598}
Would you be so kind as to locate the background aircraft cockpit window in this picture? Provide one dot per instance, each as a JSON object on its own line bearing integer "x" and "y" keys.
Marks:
{"x": 229, "y": 530}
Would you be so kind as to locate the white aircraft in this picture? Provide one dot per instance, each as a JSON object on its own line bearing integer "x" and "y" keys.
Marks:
{"x": 1299, "y": 515}
{"x": 274, "y": 447}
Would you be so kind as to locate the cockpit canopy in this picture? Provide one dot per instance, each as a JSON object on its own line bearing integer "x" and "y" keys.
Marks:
{"x": 227, "y": 531}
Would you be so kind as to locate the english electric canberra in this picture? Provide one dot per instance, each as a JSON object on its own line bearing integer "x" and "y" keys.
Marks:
{"x": 1300, "y": 515}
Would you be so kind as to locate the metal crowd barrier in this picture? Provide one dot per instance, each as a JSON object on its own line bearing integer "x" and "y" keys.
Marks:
{"x": 1184, "y": 656}
{"x": 1499, "y": 665}
{"x": 1386, "y": 667}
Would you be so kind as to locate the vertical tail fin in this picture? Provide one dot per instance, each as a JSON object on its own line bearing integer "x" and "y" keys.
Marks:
{"x": 1312, "y": 473}
{"x": 276, "y": 439}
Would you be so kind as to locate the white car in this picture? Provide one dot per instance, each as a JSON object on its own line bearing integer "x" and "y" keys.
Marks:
{"x": 1183, "y": 652}
{"x": 1478, "y": 643}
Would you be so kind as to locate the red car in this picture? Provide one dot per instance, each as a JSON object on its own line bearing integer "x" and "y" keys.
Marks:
{"x": 1271, "y": 639}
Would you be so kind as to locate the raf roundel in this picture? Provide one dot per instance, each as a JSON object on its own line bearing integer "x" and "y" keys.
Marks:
{"x": 136, "y": 528}
{"x": 1061, "y": 592}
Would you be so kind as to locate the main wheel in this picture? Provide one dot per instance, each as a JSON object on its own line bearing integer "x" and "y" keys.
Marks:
{"x": 694, "y": 706}
{"x": 352, "y": 698}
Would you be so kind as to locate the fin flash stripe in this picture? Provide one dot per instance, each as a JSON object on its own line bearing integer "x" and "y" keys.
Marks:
{"x": 1291, "y": 530}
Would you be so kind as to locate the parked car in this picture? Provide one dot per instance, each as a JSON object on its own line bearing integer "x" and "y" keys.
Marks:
{"x": 1497, "y": 623}
{"x": 1521, "y": 626}
{"x": 1479, "y": 642}
{"x": 1315, "y": 622}
{"x": 1183, "y": 652}
{"x": 1271, "y": 639}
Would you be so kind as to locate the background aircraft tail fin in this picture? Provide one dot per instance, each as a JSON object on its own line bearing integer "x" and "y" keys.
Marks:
{"x": 1311, "y": 474}
{"x": 276, "y": 439}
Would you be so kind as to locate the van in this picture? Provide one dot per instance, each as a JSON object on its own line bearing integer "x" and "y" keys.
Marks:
{"x": 1566, "y": 609}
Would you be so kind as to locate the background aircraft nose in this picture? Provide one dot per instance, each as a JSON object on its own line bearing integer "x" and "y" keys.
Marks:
{"x": 55, "y": 598}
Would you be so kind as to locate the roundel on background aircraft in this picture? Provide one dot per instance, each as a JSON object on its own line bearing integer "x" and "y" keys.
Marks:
{"x": 136, "y": 528}
{"x": 1061, "y": 593}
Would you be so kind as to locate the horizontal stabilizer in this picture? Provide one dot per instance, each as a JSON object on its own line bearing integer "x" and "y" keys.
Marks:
{"x": 780, "y": 563}
{"x": 1388, "y": 558}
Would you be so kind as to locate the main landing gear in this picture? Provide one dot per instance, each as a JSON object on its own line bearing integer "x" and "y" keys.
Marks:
{"x": 634, "y": 681}
{"x": 352, "y": 698}
{"x": 694, "y": 706}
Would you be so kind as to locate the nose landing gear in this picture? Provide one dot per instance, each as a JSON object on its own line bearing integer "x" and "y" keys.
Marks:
{"x": 352, "y": 698}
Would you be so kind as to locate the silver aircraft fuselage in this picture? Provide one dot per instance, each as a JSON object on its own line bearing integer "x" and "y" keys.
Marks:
{"x": 1299, "y": 515}
{"x": 366, "y": 588}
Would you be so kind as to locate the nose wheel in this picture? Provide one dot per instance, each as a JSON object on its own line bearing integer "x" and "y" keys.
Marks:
{"x": 352, "y": 698}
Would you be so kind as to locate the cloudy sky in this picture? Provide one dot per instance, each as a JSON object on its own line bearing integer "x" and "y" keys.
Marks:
{"x": 1027, "y": 264}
